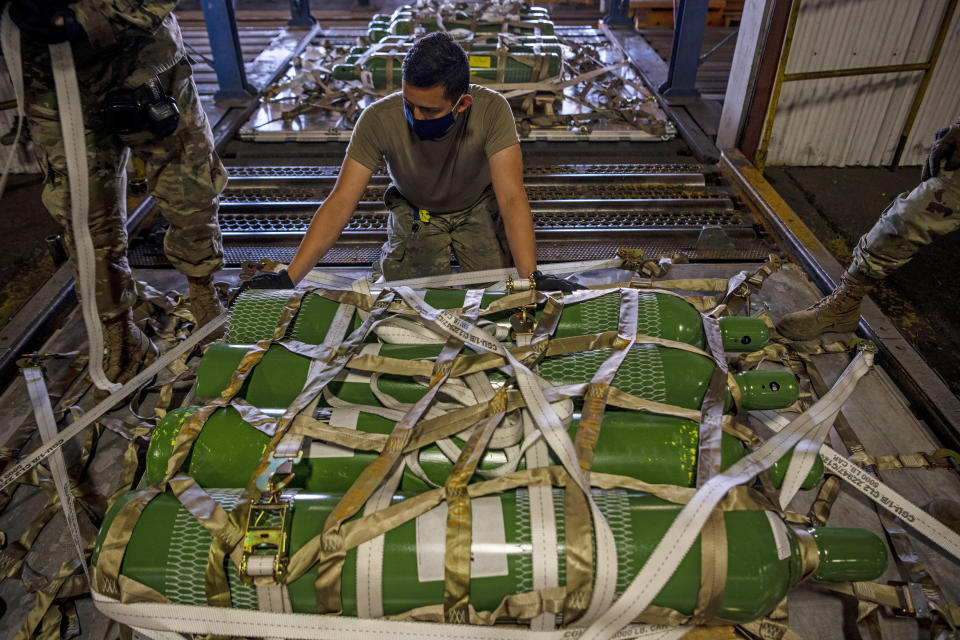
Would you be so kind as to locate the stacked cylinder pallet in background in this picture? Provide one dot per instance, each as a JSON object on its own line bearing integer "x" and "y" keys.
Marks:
{"x": 502, "y": 47}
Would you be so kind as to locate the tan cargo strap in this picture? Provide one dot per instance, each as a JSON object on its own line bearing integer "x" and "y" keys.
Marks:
{"x": 919, "y": 460}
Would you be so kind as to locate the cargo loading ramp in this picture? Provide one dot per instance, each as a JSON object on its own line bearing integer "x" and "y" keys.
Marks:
{"x": 582, "y": 211}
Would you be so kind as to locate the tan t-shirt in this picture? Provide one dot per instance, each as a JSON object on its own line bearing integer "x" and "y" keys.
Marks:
{"x": 443, "y": 175}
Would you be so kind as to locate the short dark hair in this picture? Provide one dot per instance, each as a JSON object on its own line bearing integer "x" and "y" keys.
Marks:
{"x": 434, "y": 60}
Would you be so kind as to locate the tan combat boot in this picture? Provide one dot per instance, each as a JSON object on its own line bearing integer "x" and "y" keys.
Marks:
{"x": 204, "y": 303}
{"x": 839, "y": 311}
{"x": 127, "y": 350}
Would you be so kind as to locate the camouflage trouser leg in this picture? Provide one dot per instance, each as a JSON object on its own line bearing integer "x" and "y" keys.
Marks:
{"x": 415, "y": 248}
{"x": 911, "y": 221}
{"x": 185, "y": 176}
{"x": 107, "y": 215}
{"x": 479, "y": 239}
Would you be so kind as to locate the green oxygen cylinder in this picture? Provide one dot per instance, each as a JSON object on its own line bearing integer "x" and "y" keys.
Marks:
{"x": 652, "y": 448}
{"x": 377, "y": 31}
{"x": 404, "y": 24}
{"x": 256, "y": 313}
{"x": 168, "y": 552}
{"x": 523, "y": 9}
{"x": 652, "y": 372}
{"x": 673, "y": 376}
{"x": 519, "y": 42}
{"x": 661, "y": 315}
{"x": 518, "y": 67}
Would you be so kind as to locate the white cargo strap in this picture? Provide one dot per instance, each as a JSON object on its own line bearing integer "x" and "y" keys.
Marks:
{"x": 804, "y": 455}
{"x": 47, "y": 426}
{"x": 686, "y": 527}
{"x": 887, "y": 497}
{"x": 464, "y": 278}
{"x": 75, "y": 150}
{"x": 10, "y": 44}
{"x": 270, "y": 597}
{"x": 361, "y": 286}
{"x": 298, "y": 626}
{"x": 543, "y": 526}
{"x": 339, "y": 326}
{"x": 341, "y": 322}
{"x": 108, "y": 403}
{"x": 370, "y": 554}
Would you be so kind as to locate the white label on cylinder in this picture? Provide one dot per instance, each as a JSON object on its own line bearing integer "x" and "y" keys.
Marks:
{"x": 488, "y": 549}
{"x": 780, "y": 535}
{"x": 345, "y": 418}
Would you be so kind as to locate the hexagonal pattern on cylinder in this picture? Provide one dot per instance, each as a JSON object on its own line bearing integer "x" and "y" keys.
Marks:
{"x": 640, "y": 374}
{"x": 603, "y": 313}
{"x": 255, "y": 315}
{"x": 185, "y": 571}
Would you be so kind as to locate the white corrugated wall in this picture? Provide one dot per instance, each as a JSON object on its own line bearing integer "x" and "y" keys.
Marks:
{"x": 941, "y": 103}
{"x": 858, "y": 120}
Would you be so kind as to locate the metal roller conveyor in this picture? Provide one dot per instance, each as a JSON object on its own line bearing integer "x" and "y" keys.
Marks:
{"x": 285, "y": 193}
{"x": 588, "y": 218}
{"x": 669, "y": 174}
{"x": 581, "y": 211}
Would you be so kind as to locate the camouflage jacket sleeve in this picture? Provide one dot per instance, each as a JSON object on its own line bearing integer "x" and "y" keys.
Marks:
{"x": 106, "y": 21}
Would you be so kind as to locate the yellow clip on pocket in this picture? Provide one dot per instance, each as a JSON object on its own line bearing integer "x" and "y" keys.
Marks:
{"x": 424, "y": 215}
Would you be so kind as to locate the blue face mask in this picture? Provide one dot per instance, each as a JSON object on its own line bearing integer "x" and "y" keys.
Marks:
{"x": 430, "y": 129}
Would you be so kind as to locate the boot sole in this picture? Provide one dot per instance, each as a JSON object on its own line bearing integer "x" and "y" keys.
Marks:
{"x": 833, "y": 328}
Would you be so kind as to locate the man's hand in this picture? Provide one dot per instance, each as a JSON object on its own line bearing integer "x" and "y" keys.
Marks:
{"x": 46, "y": 21}
{"x": 553, "y": 283}
{"x": 279, "y": 280}
{"x": 945, "y": 150}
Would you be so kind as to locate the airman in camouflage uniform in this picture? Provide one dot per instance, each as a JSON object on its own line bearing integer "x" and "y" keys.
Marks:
{"x": 123, "y": 45}
{"x": 911, "y": 221}
{"x": 420, "y": 246}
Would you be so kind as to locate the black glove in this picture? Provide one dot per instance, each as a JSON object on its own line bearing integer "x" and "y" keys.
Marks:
{"x": 46, "y": 21}
{"x": 553, "y": 283}
{"x": 945, "y": 149}
{"x": 266, "y": 280}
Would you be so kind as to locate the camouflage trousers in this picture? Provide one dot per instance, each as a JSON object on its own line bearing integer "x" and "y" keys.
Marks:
{"x": 183, "y": 173}
{"x": 419, "y": 245}
{"x": 911, "y": 221}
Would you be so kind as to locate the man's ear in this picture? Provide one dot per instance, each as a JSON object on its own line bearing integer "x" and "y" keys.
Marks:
{"x": 465, "y": 102}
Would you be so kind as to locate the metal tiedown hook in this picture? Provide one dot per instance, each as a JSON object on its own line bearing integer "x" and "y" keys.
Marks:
{"x": 249, "y": 268}
{"x": 28, "y": 360}
{"x": 267, "y": 534}
{"x": 266, "y": 538}
{"x": 523, "y": 321}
